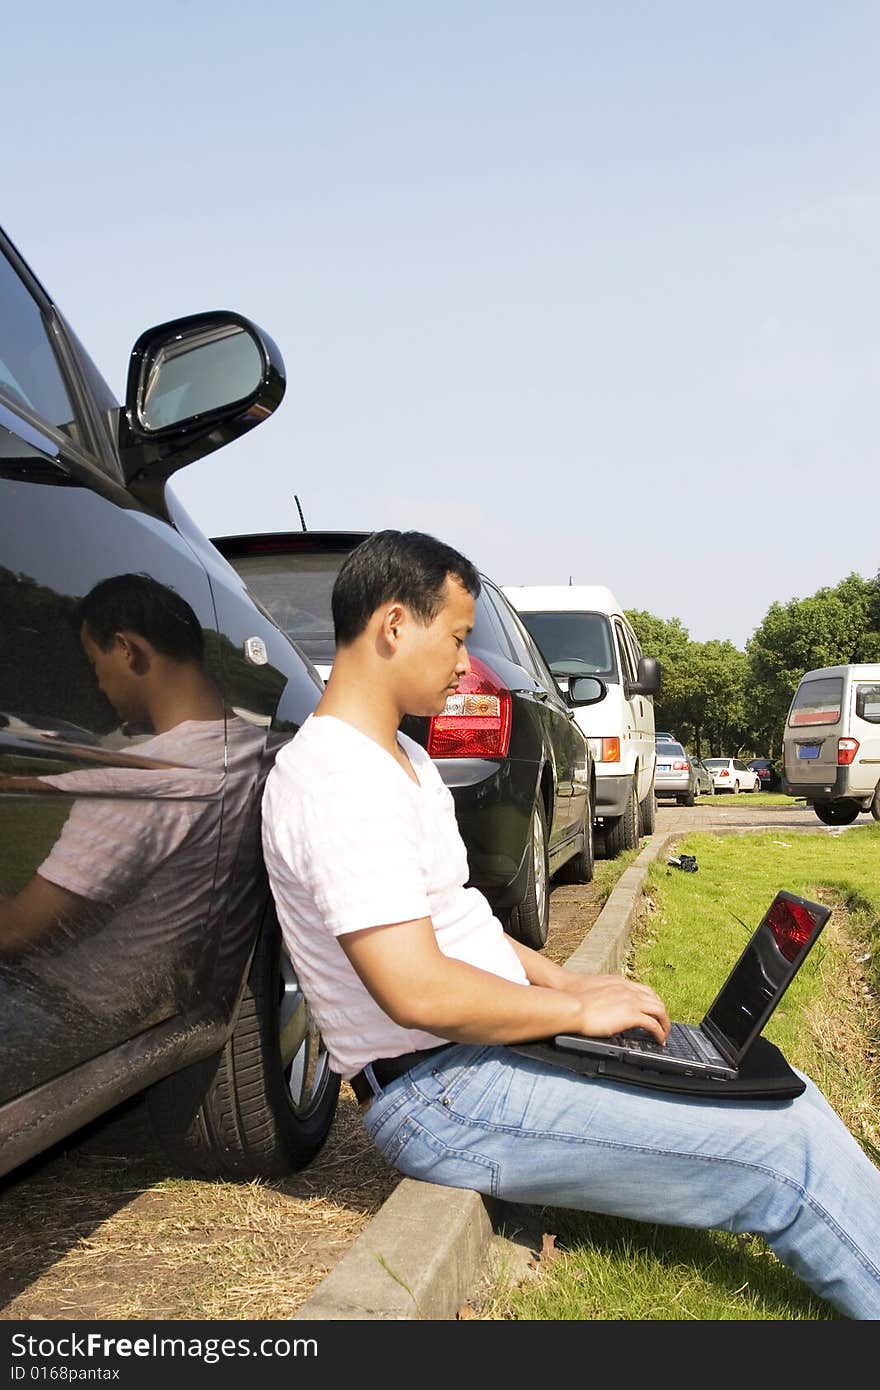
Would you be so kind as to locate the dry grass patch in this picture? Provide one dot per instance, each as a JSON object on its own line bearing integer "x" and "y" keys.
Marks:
{"x": 94, "y": 1233}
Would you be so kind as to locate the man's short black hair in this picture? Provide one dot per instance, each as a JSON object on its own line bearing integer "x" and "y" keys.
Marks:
{"x": 138, "y": 603}
{"x": 404, "y": 565}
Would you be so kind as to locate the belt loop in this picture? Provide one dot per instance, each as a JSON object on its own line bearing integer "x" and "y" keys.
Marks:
{"x": 371, "y": 1078}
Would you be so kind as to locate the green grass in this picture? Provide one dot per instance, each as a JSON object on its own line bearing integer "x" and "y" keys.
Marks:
{"x": 753, "y": 799}
{"x": 827, "y": 1025}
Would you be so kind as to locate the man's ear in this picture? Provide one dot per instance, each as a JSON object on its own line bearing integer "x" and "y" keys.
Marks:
{"x": 392, "y": 622}
{"x": 133, "y": 650}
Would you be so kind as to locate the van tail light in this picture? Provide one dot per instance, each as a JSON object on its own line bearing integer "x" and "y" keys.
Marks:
{"x": 846, "y": 751}
{"x": 475, "y": 722}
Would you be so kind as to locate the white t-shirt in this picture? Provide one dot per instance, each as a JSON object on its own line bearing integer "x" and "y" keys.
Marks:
{"x": 143, "y": 843}
{"x": 351, "y": 842}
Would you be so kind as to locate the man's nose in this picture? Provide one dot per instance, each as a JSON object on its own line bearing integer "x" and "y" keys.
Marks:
{"x": 463, "y": 665}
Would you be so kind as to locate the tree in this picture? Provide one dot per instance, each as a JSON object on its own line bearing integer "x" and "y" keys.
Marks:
{"x": 717, "y": 709}
{"x": 702, "y": 689}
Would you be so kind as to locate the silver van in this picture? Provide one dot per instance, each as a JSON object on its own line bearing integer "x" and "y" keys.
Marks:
{"x": 831, "y": 746}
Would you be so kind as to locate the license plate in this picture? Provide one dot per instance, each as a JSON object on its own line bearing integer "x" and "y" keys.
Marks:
{"x": 808, "y": 750}
{"x": 663, "y": 767}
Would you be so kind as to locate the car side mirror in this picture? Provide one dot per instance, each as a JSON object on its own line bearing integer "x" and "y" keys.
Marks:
{"x": 195, "y": 384}
{"x": 586, "y": 690}
{"x": 648, "y": 680}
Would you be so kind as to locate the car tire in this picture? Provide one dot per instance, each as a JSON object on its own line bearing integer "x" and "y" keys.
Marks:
{"x": 836, "y": 812}
{"x": 875, "y": 803}
{"x": 622, "y": 832}
{"x": 689, "y": 799}
{"x": 529, "y": 919}
{"x": 648, "y": 812}
{"x": 735, "y": 789}
{"x": 581, "y": 866}
{"x": 263, "y": 1105}
{"x": 756, "y": 787}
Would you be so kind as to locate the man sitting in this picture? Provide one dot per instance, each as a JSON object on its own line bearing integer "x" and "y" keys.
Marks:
{"x": 416, "y": 988}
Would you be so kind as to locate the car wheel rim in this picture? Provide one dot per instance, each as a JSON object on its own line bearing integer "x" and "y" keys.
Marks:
{"x": 304, "y": 1062}
{"x": 538, "y": 864}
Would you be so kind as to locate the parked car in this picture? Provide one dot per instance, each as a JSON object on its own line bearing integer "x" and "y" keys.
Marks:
{"x": 508, "y": 747}
{"x": 144, "y": 695}
{"x": 703, "y": 776}
{"x": 663, "y": 737}
{"x": 831, "y": 746}
{"x": 676, "y": 775}
{"x": 768, "y": 773}
{"x": 582, "y": 630}
{"x": 732, "y": 775}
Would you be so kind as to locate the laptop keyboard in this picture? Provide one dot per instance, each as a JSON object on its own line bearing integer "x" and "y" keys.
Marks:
{"x": 684, "y": 1042}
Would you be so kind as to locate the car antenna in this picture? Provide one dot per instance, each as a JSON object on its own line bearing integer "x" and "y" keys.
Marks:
{"x": 300, "y": 510}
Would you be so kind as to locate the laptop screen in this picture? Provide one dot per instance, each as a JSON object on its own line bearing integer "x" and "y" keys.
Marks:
{"x": 763, "y": 972}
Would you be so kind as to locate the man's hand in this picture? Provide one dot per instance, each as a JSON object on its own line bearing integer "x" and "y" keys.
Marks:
{"x": 612, "y": 1003}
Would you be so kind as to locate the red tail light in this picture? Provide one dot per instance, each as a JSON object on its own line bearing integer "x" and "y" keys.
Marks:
{"x": 725, "y": 772}
{"x": 476, "y": 720}
{"x": 680, "y": 767}
{"x": 846, "y": 751}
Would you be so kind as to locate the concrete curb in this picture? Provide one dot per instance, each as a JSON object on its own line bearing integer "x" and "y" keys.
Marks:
{"x": 425, "y": 1248}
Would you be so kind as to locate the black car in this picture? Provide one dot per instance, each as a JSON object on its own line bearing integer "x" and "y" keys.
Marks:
{"x": 507, "y": 746}
{"x": 768, "y": 771}
{"x": 144, "y": 696}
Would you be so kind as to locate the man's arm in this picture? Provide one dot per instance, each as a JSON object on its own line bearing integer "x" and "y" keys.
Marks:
{"x": 38, "y": 910}
{"x": 541, "y": 971}
{"x": 418, "y": 987}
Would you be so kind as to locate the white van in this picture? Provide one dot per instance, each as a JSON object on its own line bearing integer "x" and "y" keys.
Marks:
{"x": 831, "y": 745}
{"x": 583, "y": 631}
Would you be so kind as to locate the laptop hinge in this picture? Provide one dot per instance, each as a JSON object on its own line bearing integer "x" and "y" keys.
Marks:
{"x": 720, "y": 1041}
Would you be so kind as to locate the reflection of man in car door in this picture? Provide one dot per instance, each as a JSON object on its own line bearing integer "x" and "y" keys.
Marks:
{"x": 126, "y": 890}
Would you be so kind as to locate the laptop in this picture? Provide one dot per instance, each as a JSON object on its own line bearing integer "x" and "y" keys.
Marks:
{"x": 716, "y": 1046}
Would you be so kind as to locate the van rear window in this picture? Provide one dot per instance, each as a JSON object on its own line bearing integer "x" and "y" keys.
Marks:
{"x": 817, "y": 702}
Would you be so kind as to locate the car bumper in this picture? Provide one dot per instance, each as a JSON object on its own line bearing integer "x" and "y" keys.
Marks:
{"x": 493, "y": 807}
{"x": 832, "y": 789}
{"x": 611, "y": 794}
{"x": 672, "y": 786}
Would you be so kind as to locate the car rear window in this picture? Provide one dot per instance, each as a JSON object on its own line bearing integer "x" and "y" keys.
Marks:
{"x": 671, "y": 750}
{"x": 295, "y": 589}
{"x": 817, "y": 702}
{"x": 584, "y": 638}
{"x": 715, "y": 762}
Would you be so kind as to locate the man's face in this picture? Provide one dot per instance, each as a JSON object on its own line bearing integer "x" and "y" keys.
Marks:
{"x": 432, "y": 659}
{"x": 114, "y": 674}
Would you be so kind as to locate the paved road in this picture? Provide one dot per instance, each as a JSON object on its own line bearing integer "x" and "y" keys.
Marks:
{"x": 725, "y": 812}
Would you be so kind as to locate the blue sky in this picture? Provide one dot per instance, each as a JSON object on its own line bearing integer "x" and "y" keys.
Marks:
{"x": 588, "y": 290}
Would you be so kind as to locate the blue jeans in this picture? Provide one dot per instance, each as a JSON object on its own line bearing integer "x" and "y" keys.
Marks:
{"x": 513, "y": 1127}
